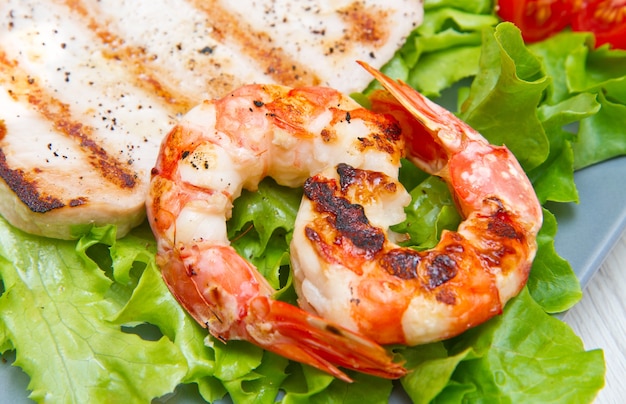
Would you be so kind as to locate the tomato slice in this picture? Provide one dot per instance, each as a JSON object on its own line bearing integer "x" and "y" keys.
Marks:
{"x": 537, "y": 19}
{"x": 605, "y": 18}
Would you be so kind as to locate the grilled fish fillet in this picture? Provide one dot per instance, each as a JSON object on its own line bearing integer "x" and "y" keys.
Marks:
{"x": 88, "y": 88}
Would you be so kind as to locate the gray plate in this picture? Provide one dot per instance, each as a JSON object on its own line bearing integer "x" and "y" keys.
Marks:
{"x": 589, "y": 230}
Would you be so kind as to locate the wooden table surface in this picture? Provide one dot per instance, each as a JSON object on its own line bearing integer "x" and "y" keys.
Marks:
{"x": 600, "y": 320}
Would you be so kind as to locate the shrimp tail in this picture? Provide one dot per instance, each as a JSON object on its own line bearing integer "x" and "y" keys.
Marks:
{"x": 443, "y": 145}
{"x": 433, "y": 134}
{"x": 270, "y": 324}
{"x": 429, "y": 113}
{"x": 309, "y": 339}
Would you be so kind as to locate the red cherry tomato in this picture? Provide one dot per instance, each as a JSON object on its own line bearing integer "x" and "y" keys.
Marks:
{"x": 605, "y": 18}
{"x": 537, "y": 19}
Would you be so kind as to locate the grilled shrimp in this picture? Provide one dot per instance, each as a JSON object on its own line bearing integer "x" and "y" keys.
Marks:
{"x": 357, "y": 288}
{"x": 347, "y": 267}
{"x": 223, "y": 146}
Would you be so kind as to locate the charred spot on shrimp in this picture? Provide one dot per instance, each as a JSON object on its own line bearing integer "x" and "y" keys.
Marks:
{"x": 385, "y": 143}
{"x": 365, "y": 142}
{"x": 440, "y": 270}
{"x": 328, "y": 135}
{"x": 401, "y": 263}
{"x": 501, "y": 225}
{"x": 446, "y": 296}
{"x": 377, "y": 181}
{"x": 312, "y": 235}
{"x": 347, "y": 218}
{"x": 347, "y": 175}
{"x": 501, "y": 222}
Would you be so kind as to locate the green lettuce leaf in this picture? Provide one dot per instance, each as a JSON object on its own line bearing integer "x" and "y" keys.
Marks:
{"x": 309, "y": 385}
{"x": 554, "y": 178}
{"x": 439, "y": 70}
{"x": 555, "y": 54}
{"x": 152, "y": 303}
{"x": 431, "y": 211}
{"x": 552, "y": 282}
{"x": 509, "y": 364}
{"x": 592, "y": 76}
{"x": 474, "y": 6}
{"x": 591, "y": 70}
{"x": 503, "y": 98}
{"x": 248, "y": 373}
{"x": 505, "y": 361}
{"x": 601, "y": 136}
{"x": 429, "y": 61}
{"x": 56, "y": 312}
{"x": 261, "y": 229}
{"x": 432, "y": 367}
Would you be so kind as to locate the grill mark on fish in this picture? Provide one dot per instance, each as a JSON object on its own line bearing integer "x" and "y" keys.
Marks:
{"x": 26, "y": 189}
{"x": 25, "y": 88}
{"x": 136, "y": 60}
{"x": 258, "y": 45}
{"x": 365, "y": 24}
